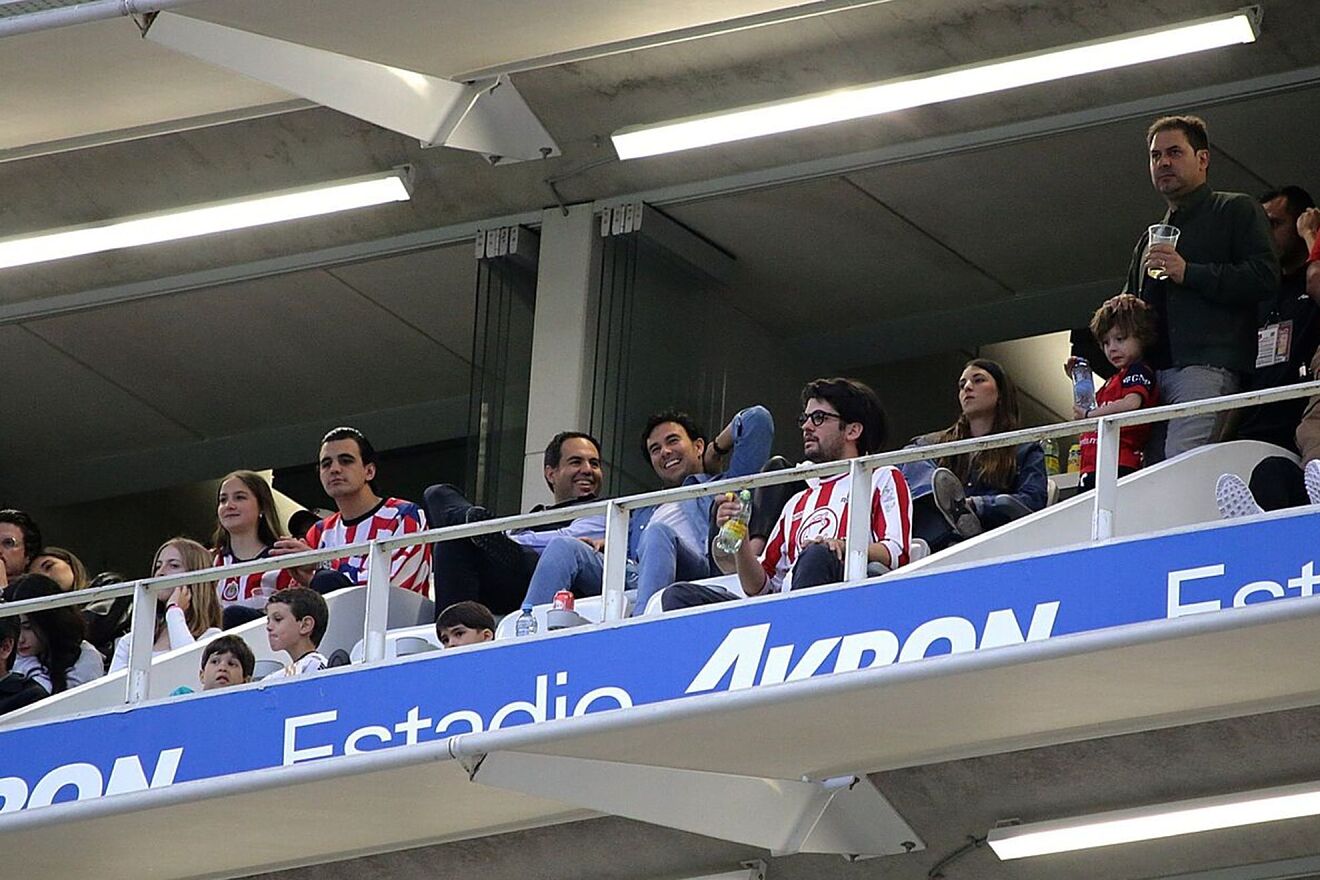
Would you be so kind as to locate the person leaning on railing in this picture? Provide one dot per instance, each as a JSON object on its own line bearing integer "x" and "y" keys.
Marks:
{"x": 961, "y": 496}
{"x": 184, "y": 615}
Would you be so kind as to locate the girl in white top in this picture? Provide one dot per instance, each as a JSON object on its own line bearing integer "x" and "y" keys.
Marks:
{"x": 188, "y": 613}
{"x": 51, "y": 649}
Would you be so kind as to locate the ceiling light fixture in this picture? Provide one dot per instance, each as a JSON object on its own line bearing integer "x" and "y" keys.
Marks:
{"x": 204, "y": 219}
{"x": 1157, "y": 821}
{"x": 932, "y": 88}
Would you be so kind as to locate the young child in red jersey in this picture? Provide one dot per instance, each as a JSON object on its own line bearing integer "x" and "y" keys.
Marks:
{"x": 1124, "y": 326}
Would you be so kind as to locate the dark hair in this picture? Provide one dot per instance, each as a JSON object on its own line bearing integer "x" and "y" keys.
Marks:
{"x": 682, "y": 419}
{"x": 304, "y": 602}
{"x": 473, "y": 615}
{"x": 31, "y": 533}
{"x": 60, "y": 629}
{"x": 1192, "y": 126}
{"x": 9, "y": 629}
{"x": 995, "y": 467}
{"x": 231, "y": 644}
{"x": 554, "y": 450}
{"x": 269, "y": 527}
{"x": 366, "y": 451}
{"x": 854, "y": 401}
{"x": 1131, "y": 315}
{"x": 1297, "y": 198}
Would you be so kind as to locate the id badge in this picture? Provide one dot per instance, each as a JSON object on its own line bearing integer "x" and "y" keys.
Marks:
{"x": 1273, "y": 344}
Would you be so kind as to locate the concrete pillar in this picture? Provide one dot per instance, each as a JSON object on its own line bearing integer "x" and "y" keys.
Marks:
{"x": 563, "y": 340}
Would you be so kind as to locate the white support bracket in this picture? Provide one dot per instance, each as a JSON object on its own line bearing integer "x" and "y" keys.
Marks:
{"x": 486, "y": 116}
{"x": 844, "y": 816}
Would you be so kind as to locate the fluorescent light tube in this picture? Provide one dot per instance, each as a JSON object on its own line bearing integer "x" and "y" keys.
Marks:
{"x": 933, "y": 88}
{"x": 1154, "y": 822}
{"x": 204, "y": 219}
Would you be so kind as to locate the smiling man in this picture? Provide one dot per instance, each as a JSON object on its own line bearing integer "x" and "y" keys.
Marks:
{"x": 668, "y": 542}
{"x": 1211, "y": 282}
{"x": 495, "y": 569}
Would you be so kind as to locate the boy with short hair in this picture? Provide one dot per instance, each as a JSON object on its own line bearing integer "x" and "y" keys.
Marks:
{"x": 296, "y": 619}
{"x": 465, "y": 623}
{"x": 226, "y": 660}
{"x": 1124, "y": 326}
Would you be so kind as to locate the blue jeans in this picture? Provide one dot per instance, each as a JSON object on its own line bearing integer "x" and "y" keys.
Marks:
{"x": 569, "y": 564}
{"x": 663, "y": 559}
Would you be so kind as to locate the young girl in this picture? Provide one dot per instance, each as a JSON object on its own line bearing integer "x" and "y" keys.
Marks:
{"x": 246, "y": 528}
{"x": 51, "y": 649}
{"x": 62, "y": 567}
{"x": 185, "y": 614}
{"x": 960, "y": 496}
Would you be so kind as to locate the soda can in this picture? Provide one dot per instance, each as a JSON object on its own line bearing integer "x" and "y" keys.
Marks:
{"x": 563, "y": 601}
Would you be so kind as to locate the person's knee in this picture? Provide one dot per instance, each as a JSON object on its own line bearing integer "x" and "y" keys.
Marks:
{"x": 680, "y": 595}
{"x": 816, "y": 554}
{"x": 757, "y": 418}
{"x": 564, "y": 550}
{"x": 327, "y": 580}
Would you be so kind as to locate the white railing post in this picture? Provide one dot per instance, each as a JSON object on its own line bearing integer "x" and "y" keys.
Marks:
{"x": 141, "y": 641}
{"x": 858, "y": 527}
{"x": 1106, "y": 479}
{"x": 616, "y": 561}
{"x": 378, "y": 603}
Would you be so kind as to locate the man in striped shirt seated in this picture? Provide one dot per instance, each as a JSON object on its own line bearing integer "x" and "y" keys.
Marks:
{"x": 347, "y": 465}
{"x": 841, "y": 419}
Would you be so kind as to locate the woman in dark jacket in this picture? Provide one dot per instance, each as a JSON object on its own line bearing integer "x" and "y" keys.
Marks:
{"x": 956, "y": 497}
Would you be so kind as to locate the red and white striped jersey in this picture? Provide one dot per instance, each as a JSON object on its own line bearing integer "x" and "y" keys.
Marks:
{"x": 254, "y": 589}
{"x": 410, "y": 567}
{"x": 821, "y": 511}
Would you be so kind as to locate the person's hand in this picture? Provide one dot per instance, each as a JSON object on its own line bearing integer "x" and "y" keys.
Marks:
{"x": 1308, "y": 226}
{"x": 1068, "y": 366}
{"x": 838, "y": 545}
{"x": 728, "y": 509}
{"x": 4, "y": 576}
{"x": 1078, "y": 412}
{"x": 182, "y": 597}
{"x": 1163, "y": 256}
{"x": 597, "y": 544}
{"x": 284, "y": 546}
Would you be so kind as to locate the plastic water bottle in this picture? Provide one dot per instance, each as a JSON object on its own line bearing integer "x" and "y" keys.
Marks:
{"x": 526, "y": 623}
{"x": 1083, "y": 386}
{"x": 734, "y": 531}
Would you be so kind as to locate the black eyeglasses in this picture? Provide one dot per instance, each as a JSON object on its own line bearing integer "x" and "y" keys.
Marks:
{"x": 817, "y": 417}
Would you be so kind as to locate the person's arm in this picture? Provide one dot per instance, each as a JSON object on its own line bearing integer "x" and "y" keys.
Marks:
{"x": 1127, "y": 403}
{"x": 410, "y": 567}
{"x": 743, "y": 446}
{"x": 1251, "y": 273}
{"x": 1308, "y": 226}
{"x": 590, "y": 527}
{"x": 891, "y": 519}
{"x": 1032, "y": 486}
{"x": 176, "y": 620}
{"x": 120, "y": 660}
{"x": 752, "y": 571}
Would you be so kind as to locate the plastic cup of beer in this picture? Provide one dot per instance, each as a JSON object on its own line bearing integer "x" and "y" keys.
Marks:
{"x": 1161, "y": 233}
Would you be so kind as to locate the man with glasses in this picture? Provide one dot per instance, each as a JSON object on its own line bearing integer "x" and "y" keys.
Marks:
{"x": 841, "y": 419}
{"x": 20, "y": 543}
{"x": 668, "y": 542}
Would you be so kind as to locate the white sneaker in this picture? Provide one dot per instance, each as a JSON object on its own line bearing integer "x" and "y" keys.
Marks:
{"x": 1311, "y": 477}
{"x": 1234, "y": 498}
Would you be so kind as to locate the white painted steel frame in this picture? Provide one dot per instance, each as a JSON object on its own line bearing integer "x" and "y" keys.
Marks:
{"x": 616, "y": 512}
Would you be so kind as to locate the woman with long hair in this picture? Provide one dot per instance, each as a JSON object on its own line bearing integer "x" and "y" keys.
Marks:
{"x": 62, "y": 567}
{"x": 51, "y": 648}
{"x": 246, "y": 528}
{"x": 185, "y": 614}
{"x": 956, "y": 497}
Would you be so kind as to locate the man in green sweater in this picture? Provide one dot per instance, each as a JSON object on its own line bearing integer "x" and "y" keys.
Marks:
{"x": 1210, "y": 286}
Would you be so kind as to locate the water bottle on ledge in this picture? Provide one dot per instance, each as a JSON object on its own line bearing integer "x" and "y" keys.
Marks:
{"x": 734, "y": 532}
{"x": 526, "y": 623}
{"x": 1083, "y": 385}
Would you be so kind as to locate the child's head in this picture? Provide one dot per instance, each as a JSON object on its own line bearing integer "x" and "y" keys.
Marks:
{"x": 226, "y": 660}
{"x": 1125, "y": 327}
{"x": 9, "y": 631}
{"x": 295, "y": 618}
{"x": 465, "y": 623}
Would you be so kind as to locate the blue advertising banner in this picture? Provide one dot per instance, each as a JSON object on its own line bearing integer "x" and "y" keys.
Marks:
{"x": 734, "y": 646}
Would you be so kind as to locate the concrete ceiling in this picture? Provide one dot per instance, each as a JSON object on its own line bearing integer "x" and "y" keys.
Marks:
{"x": 920, "y": 232}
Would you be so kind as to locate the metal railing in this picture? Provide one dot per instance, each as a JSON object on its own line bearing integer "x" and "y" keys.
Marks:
{"x": 617, "y": 512}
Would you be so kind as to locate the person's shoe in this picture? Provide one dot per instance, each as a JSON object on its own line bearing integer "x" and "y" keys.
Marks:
{"x": 950, "y": 500}
{"x": 1311, "y": 477}
{"x": 498, "y": 548}
{"x": 1234, "y": 498}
